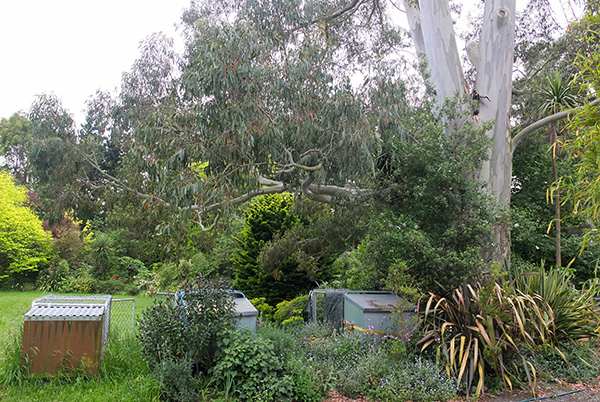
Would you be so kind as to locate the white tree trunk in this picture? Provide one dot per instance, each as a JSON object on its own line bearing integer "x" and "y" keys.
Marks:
{"x": 494, "y": 81}
{"x": 439, "y": 45}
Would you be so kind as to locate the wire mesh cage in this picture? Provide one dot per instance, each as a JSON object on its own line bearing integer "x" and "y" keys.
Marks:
{"x": 104, "y": 300}
{"x": 122, "y": 319}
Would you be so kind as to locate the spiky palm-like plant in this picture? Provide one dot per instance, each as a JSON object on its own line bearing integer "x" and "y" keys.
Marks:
{"x": 557, "y": 94}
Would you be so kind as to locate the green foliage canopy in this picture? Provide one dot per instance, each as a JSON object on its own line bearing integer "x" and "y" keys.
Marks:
{"x": 24, "y": 245}
{"x": 267, "y": 217}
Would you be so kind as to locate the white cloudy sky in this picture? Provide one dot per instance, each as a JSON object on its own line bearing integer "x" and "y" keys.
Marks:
{"x": 73, "y": 47}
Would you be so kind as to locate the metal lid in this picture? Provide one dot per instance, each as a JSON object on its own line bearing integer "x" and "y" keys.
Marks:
{"x": 243, "y": 307}
{"x": 375, "y": 302}
{"x": 65, "y": 312}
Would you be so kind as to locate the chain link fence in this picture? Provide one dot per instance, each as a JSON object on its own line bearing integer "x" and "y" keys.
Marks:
{"x": 122, "y": 319}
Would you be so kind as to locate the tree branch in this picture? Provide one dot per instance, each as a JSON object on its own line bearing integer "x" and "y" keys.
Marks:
{"x": 117, "y": 182}
{"x": 547, "y": 120}
{"x": 338, "y": 13}
{"x": 272, "y": 187}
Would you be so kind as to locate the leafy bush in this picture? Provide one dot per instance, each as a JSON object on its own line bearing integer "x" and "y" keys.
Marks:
{"x": 49, "y": 279}
{"x": 176, "y": 380}
{"x": 288, "y": 309}
{"x": 421, "y": 381}
{"x": 284, "y": 343}
{"x": 127, "y": 268}
{"x": 83, "y": 283}
{"x": 24, "y": 245}
{"x": 111, "y": 286}
{"x": 188, "y": 325}
{"x": 250, "y": 364}
{"x": 438, "y": 218}
{"x": 168, "y": 276}
{"x": 265, "y": 311}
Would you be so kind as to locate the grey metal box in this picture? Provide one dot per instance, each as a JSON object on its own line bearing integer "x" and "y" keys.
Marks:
{"x": 377, "y": 312}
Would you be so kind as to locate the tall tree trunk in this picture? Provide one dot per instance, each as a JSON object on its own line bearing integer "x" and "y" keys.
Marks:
{"x": 494, "y": 81}
{"x": 556, "y": 197}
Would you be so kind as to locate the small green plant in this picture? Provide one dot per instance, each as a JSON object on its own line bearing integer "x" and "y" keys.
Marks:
{"x": 49, "y": 279}
{"x": 177, "y": 381}
{"x": 265, "y": 311}
{"x": 189, "y": 323}
{"x": 250, "y": 363}
{"x": 288, "y": 309}
{"x": 420, "y": 381}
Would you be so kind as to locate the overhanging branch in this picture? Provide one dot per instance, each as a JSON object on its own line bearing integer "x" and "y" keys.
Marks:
{"x": 340, "y": 12}
{"x": 547, "y": 120}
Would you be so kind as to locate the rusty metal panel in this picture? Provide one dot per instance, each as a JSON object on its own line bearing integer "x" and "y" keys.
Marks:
{"x": 59, "y": 338}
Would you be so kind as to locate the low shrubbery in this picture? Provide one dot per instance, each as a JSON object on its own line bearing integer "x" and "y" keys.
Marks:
{"x": 481, "y": 338}
{"x": 501, "y": 329}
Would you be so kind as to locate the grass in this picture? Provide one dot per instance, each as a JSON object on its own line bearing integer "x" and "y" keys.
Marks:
{"x": 123, "y": 376}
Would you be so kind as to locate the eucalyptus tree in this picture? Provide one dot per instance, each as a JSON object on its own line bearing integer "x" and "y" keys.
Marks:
{"x": 14, "y": 135}
{"x": 433, "y": 35}
{"x": 280, "y": 95}
{"x": 268, "y": 97}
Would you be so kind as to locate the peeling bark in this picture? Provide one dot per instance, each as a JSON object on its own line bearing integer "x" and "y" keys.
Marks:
{"x": 441, "y": 51}
{"x": 493, "y": 83}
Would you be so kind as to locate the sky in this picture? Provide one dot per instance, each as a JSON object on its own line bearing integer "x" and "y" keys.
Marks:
{"x": 71, "y": 48}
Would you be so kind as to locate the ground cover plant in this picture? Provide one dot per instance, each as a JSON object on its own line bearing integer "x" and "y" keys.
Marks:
{"x": 299, "y": 362}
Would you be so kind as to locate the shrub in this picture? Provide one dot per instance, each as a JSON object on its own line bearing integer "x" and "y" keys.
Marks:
{"x": 472, "y": 329}
{"x": 127, "y": 268}
{"x": 84, "y": 283}
{"x": 176, "y": 380}
{"x": 49, "y": 279}
{"x": 284, "y": 343}
{"x": 288, "y": 309}
{"x": 188, "y": 325}
{"x": 251, "y": 364}
{"x": 265, "y": 311}
{"x": 24, "y": 245}
{"x": 111, "y": 286}
{"x": 169, "y": 275}
{"x": 421, "y": 381}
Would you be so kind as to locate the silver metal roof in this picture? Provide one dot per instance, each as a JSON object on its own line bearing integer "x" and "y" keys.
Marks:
{"x": 65, "y": 312}
{"x": 58, "y": 299}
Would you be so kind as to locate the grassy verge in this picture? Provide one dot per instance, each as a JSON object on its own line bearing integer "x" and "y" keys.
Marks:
{"x": 123, "y": 376}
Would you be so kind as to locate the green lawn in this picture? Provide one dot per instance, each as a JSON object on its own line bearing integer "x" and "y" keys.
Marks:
{"x": 14, "y": 305}
{"x": 124, "y": 376}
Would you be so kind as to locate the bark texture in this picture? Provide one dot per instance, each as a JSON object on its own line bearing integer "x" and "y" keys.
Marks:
{"x": 431, "y": 21}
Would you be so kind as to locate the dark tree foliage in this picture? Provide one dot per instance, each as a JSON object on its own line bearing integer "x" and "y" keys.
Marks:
{"x": 15, "y": 135}
{"x": 267, "y": 218}
{"x": 439, "y": 219}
